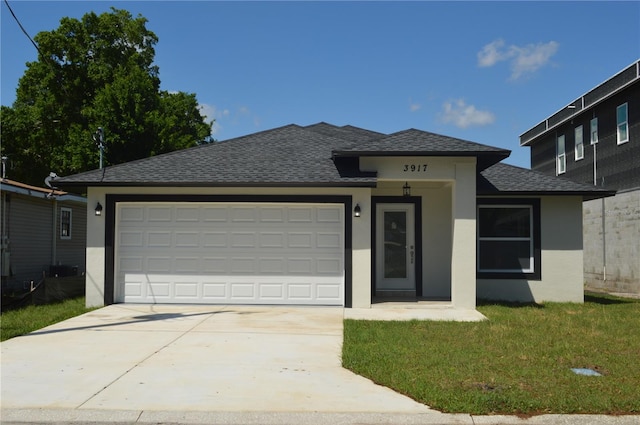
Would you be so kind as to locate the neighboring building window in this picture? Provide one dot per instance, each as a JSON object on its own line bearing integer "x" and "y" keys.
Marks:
{"x": 594, "y": 131}
{"x": 65, "y": 223}
{"x": 623, "y": 124}
{"x": 579, "y": 143}
{"x": 561, "y": 158}
{"x": 508, "y": 238}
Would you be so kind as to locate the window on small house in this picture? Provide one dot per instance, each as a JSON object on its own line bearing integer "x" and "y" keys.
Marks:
{"x": 65, "y": 223}
{"x": 594, "y": 131}
{"x": 561, "y": 158}
{"x": 623, "y": 124}
{"x": 579, "y": 143}
{"x": 508, "y": 239}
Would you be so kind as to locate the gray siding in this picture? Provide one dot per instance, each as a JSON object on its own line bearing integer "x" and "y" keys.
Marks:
{"x": 32, "y": 233}
{"x": 71, "y": 252}
{"x": 29, "y": 228}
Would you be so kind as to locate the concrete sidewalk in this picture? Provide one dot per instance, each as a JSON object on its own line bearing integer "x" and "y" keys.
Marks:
{"x": 112, "y": 417}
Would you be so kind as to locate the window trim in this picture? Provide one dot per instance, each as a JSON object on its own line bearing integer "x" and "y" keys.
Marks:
{"x": 561, "y": 158}
{"x": 62, "y": 223}
{"x": 593, "y": 126}
{"x": 624, "y": 123}
{"x": 579, "y": 135}
{"x": 534, "y": 204}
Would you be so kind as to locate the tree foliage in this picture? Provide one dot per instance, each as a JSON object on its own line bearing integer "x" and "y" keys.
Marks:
{"x": 95, "y": 72}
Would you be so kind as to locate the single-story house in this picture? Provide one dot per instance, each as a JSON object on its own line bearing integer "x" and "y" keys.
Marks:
{"x": 328, "y": 215}
{"x": 42, "y": 231}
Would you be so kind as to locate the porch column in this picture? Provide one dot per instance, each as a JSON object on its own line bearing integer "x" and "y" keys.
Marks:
{"x": 463, "y": 256}
{"x": 95, "y": 264}
{"x": 361, "y": 249}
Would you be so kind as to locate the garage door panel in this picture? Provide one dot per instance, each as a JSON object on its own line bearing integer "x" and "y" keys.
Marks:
{"x": 131, "y": 214}
{"x": 186, "y": 290}
{"x": 159, "y": 214}
{"x": 187, "y": 239}
{"x": 159, "y": 239}
{"x": 230, "y": 253}
{"x": 188, "y": 214}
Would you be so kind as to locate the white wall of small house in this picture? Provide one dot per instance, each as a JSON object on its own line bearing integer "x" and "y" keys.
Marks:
{"x": 562, "y": 277}
{"x": 361, "y": 231}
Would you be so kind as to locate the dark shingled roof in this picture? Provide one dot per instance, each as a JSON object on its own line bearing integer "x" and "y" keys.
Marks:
{"x": 505, "y": 179}
{"x": 318, "y": 155}
{"x": 414, "y": 142}
{"x": 289, "y": 155}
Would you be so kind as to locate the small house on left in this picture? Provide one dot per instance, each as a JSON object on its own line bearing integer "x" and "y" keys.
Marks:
{"x": 42, "y": 235}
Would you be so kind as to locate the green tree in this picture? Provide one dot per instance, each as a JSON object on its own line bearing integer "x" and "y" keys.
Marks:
{"x": 90, "y": 73}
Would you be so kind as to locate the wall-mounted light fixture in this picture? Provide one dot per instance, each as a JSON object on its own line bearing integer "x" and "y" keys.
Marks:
{"x": 99, "y": 209}
{"x": 356, "y": 211}
{"x": 406, "y": 189}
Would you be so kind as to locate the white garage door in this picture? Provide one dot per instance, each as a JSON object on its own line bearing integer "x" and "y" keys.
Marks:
{"x": 230, "y": 253}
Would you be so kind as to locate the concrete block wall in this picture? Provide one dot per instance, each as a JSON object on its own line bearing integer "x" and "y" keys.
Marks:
{"x": 612, "y": 243}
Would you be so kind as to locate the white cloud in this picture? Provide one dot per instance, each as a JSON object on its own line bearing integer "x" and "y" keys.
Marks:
{"x": 531, "y": 57}
{"x": 462, "y": 115}
{"x": 490, "y": 54}
{"x": 208, "y": 112}
{"x": 413, "y": 106}
{"x": 522, "y": 60}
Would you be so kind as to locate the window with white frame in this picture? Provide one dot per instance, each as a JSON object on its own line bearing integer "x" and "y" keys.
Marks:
{"x": 561, "y": 157}
{"x": 65, "y": 223}
{"x": 506, "y": 239}
{"x": 579, "y": 144}
{"x": 594, "y": 131}
{"x": 623, "y": 124}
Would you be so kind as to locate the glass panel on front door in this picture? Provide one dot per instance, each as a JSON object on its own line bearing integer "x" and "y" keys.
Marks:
{"x": 395, "y": 247}
{"x": 395, "y": 244}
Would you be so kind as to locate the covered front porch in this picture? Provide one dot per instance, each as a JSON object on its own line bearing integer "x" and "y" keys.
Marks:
{"x": 423, "y": 234}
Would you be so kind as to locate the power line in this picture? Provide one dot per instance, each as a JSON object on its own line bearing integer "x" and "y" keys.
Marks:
{"x": 46, "y": 59}
{"x": 22, "y": 28}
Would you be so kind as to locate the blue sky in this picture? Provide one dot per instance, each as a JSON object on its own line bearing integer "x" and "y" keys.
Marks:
{"x": 480, "y": 71}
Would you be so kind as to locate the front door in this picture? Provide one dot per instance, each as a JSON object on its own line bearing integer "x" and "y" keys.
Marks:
{"x": 395, "y": 248}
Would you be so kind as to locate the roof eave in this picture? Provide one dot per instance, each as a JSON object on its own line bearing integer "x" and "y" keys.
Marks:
{"x": 578, "y": 106}
{"x": 586, "y": 195}
{"x": 358, "y": 183}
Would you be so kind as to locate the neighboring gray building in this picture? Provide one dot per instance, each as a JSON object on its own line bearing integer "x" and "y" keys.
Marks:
{"x": 596, "y": 140}
{"x": 41, "y": 231}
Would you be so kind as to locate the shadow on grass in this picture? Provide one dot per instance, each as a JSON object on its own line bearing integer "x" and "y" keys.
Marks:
{"x": 606, "y": 299}
{"x": 589, "y": 297}
{"x": 511, "y": 304}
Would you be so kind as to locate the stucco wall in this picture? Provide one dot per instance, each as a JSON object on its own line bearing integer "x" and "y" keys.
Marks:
{"x": 561, "y": 258}
{"x": 612, "y": 256}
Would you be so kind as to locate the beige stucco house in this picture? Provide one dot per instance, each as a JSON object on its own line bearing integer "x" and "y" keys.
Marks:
{"x": 327, "y": 215}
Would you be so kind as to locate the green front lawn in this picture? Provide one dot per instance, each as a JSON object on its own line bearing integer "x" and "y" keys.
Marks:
{"x": 31, "y": 318}
{"x": 517, "y": 362}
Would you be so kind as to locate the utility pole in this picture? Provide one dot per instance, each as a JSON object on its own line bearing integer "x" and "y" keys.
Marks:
{"x": 98, "y": 139}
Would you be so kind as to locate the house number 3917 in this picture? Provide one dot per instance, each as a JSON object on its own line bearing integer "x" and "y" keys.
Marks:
{"x": 414, "y": 168}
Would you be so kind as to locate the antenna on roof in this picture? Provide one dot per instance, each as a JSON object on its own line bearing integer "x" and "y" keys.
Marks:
{"x": 98, "y": 139}
{"x": 47, "y": 181}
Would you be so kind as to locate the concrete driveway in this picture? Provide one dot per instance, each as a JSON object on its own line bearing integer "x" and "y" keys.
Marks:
{"x": 192, "y": 358}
